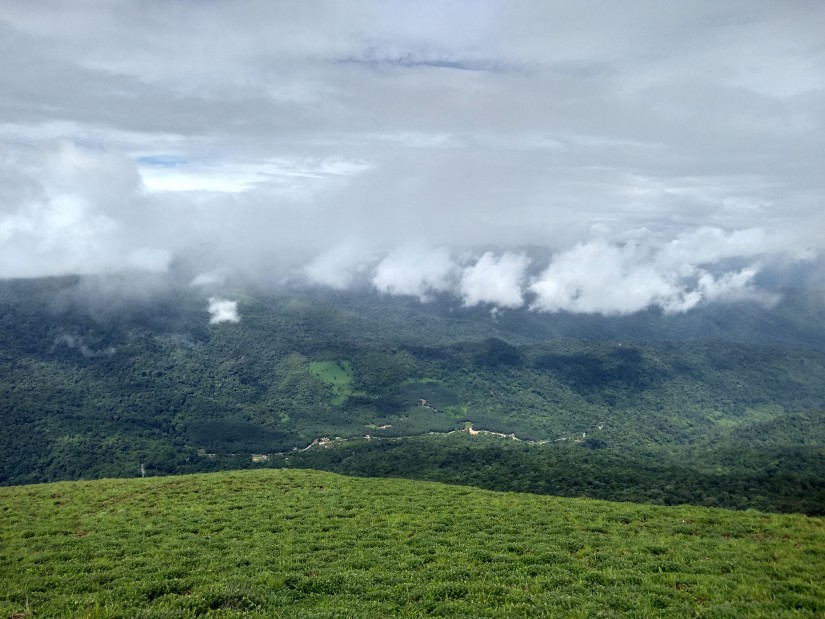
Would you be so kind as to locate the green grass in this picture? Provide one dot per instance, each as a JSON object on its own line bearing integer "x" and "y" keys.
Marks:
{"x": 289, "y": 543}
{"x": 337, "y": 374}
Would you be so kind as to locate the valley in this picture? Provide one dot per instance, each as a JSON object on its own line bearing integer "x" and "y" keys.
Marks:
{"x": 636, "y": 407}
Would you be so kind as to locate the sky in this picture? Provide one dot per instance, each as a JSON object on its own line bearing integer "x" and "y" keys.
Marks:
{"x": 590, "y": 156}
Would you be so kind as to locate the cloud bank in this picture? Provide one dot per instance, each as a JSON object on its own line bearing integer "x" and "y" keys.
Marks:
{"x": 596, "y": 277}
{"x": 591, "y": 277}
{"x": 583, "y": 157}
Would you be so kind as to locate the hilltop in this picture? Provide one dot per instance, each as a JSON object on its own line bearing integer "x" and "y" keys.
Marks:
{"x": 314, "y": 544}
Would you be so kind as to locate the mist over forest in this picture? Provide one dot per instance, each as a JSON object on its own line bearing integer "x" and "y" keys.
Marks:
{"x": 571, "y": 249}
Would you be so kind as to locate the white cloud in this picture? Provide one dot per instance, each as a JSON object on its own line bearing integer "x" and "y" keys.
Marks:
{"x": 735, "y": 285}
{"x": 68, "y": 209}
{"x": 415, "y": 271}
{"x": 266, "y": 133}
{"x": 339, "y": 266}
{"x": 494, "y": 280}
{"x": 222, "y": 310}
{"x": 600, "y": 277}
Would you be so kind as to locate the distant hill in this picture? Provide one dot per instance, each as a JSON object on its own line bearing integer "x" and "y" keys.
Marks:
{"x": 312, "y": 544}
{"x": 124, "y": 375}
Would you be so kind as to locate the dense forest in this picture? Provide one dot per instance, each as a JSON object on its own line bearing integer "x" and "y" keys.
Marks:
{"x": 118, "y": 377}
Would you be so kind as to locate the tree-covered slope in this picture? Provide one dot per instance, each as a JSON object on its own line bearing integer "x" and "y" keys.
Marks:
{"x": 112, "y": 376}
{"x": 312, "y": 544}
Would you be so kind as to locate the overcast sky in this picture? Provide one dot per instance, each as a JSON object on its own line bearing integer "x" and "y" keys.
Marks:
{"x": 419, "y": 146}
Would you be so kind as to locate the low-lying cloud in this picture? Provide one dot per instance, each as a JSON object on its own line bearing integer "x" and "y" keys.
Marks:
{"x": 597, "y": 277}
{"x": 494, "y": 280}
{"x": 592, "y": 277}
{"x": 222, "y": 310}
{"x": 416, "y": 271}
{"x": 61, "y": 217}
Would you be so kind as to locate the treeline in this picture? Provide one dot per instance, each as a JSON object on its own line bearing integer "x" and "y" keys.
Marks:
{"x": 796, "y": 485}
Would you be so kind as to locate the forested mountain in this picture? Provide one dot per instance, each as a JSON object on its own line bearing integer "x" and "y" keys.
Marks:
{"x": 117, "y": 376}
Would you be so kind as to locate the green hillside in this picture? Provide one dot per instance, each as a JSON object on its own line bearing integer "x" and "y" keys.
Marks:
{"x": 313, "y": 544}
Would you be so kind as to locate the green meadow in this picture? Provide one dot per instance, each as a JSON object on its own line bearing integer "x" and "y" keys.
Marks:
{"x": 297, "y": 543}
{"x": 336, "y": 374}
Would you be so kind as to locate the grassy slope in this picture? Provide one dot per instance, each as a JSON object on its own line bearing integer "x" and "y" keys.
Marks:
{"x": 304, "y": 543}
{"x": 337, "y": 374}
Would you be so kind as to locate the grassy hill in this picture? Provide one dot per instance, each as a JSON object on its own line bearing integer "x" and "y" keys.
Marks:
{"x": 296, "y": 543}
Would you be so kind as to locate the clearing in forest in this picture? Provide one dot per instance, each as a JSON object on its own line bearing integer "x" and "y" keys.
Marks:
{"x": 337, "y": 374}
